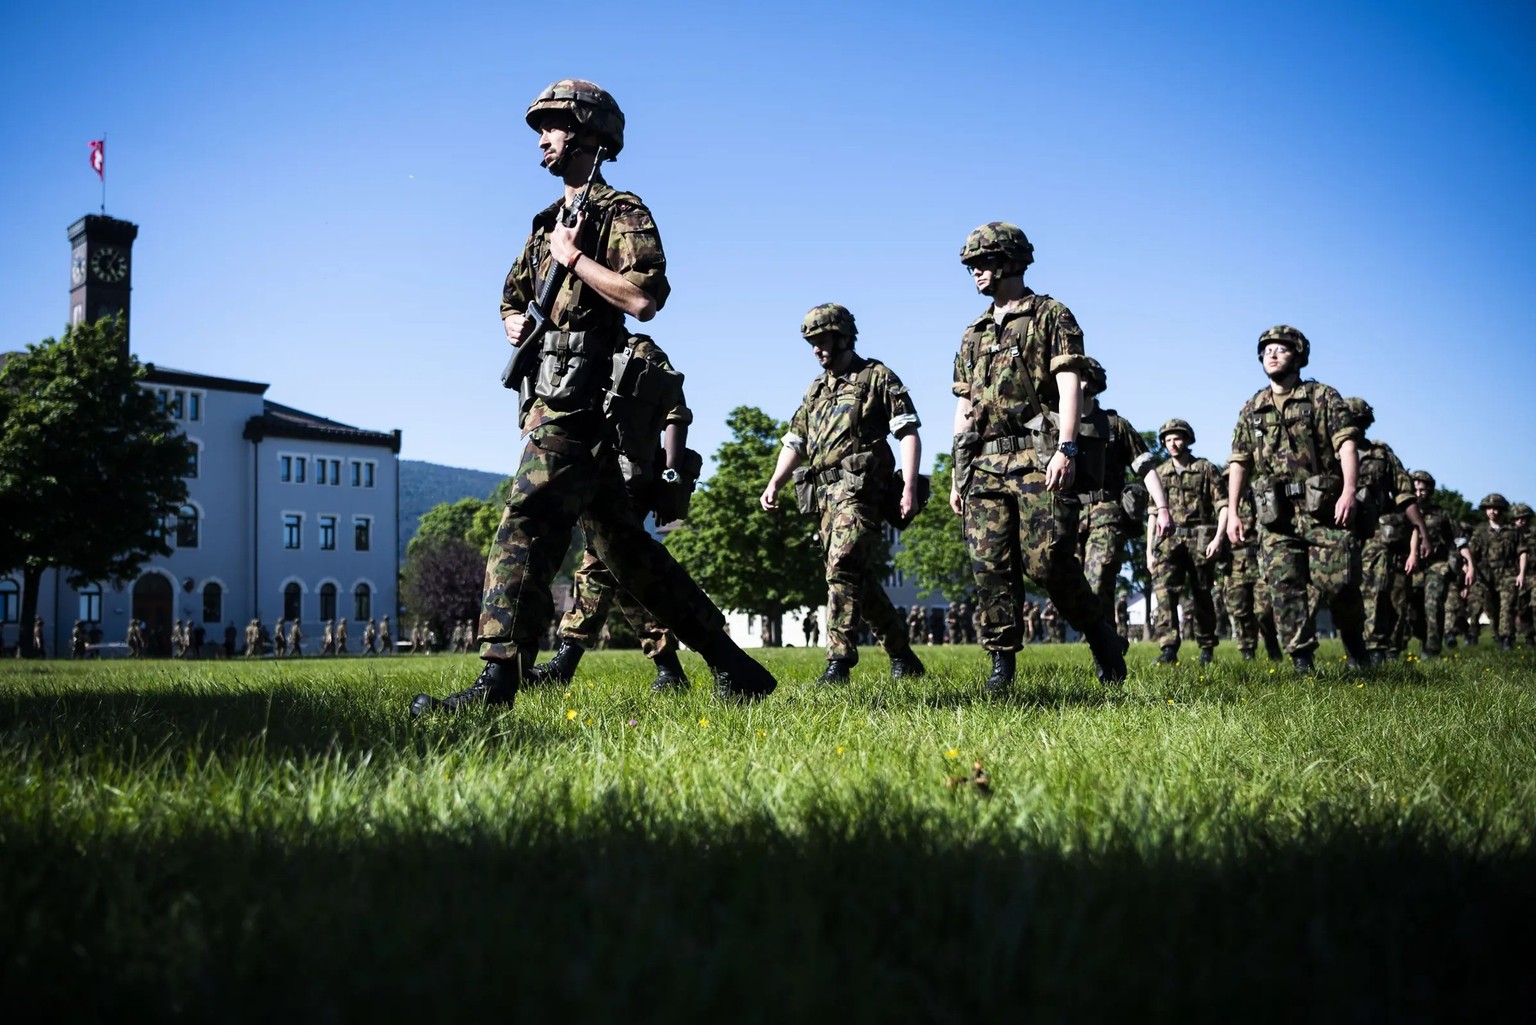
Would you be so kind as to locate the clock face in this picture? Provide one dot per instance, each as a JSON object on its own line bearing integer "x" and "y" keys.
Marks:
{"x": 109, "y": 264}
{"x": 77, "y": 266}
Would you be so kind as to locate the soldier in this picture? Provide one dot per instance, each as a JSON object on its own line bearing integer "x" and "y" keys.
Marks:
{"x": 386, "y": 637}
{"x": 1111, "y": 513}
{"x": 328, "y": 638}
{"x": 1445, "y": 570}
{"x": 612, "y": 259}
{"x": 77, "y": 640}
{"x": 1123, "y": 617}
{"x": 370, "y": 638}
{"x": 295, "y": 641}
{"x": 1246, "y": 599}
{"x": 279, "y": 636}
{"x": 1392, "y": 533}
{"x": 341, "y": 635}
{"x": 37, "y": 638}
{"x": 1185, "y": 560}
{"x": 1296, "y": 444}
{"x": 1497, "y": 551}
{"x": 1017, "y": 389}
{"x": 1525, "y": 613}
{"x": 843, "y": 472}
{"x": 651, "y": 418}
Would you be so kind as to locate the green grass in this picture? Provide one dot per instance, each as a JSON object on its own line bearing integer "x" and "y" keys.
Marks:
{"x": 249, "y": 840}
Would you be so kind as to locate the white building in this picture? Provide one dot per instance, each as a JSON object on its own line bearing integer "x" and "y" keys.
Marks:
{"x": 289, "y": 515}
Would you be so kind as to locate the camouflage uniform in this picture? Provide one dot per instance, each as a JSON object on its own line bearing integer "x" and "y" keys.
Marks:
{"x": 1306, "y": 560}
{"x": 1383, "y": 491}
{"x": 839, "y": 432}
{"x": 1179, "y": 562}
{"x": 1496, "y": 553}
{"x": 1110, "y": 526}
{"x": 1439, "y": 575}
{"x": 1014, "y": 527}
{"x": 1525, "y": 600}
{"x": 1247, "y": 602}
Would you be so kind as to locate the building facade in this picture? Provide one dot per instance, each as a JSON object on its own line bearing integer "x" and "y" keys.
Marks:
{"x": 289, "y": 515}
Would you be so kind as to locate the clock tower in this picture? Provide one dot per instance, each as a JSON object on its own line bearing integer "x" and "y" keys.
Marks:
{"x": 100, "y": 268}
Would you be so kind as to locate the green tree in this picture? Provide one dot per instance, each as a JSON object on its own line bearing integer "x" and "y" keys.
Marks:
{"x": 91, "y": 467}
{"x": 933, "y": 549}
{"x": 746, "y": 559}
{"x": 441, "y": 581}
{"x": 456, "y": 520}
{"x": 1454, "y": 504}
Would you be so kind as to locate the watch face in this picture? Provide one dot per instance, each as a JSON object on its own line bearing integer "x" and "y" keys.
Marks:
{"x": 77, "y": 266}
{"x": 110, "y": 264}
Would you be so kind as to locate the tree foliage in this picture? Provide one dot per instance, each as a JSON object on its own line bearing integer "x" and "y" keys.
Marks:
{"x": 1454, "y": 504}
{"x": 746, "y": 559}
{"x": 455, "y": 520}
{"x": 441, "y": 581}
{"x": 91, "y": 467}
{"x": 933, "y": 545}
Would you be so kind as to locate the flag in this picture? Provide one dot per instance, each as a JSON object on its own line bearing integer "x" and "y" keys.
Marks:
{"x": 99, "y": 158}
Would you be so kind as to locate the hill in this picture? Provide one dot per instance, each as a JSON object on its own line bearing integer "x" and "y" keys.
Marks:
{"x": 423, "y": 485}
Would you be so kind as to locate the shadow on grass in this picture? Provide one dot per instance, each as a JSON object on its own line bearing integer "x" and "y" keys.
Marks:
{"x": 868, "y": 919}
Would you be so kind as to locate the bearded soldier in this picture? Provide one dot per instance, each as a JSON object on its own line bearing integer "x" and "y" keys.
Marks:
{"x": 1446, "y": 569}
{"x": 645, "y": 404}
{"x": 1187, "y": 559}
{"x": 1296, "y": 444}
{"x": 1497, "y": 552}
{"x": 601, "y": 246}
{"x": 843, "y": 471}
{"x": 1392, "y": 533}
{"x": 1116, "y": 509}
{"x": 1017, "y": 382}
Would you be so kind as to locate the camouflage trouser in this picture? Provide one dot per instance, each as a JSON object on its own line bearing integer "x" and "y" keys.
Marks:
{"x": 1439, "y": 582}
{"x": 1175, "y": 566}
{"x": 1015, "y": 529}
{"x": 1104, "y": 552}
{"x": 850, "y": 540}
{"x": 1455, "y": 609}
{"x": 1527, "y": 609}
{"x": 1246, "y": 602}
{"x": 594, "y": 591}
{"x": 1307, "y": 565}
{"x": 565, "y": 476}
{"x": 1495, "y": 597}
{"x": 1383, "y": 589}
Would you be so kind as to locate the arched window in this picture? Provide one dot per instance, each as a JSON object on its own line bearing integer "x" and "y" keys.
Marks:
{"x": 362, "y": 600}
{"x": 293, "y": 601}
{"x": 10, "y": 601}
{"x": 186, "y": 527}
{"x": 213, "y": 603}
{"x": 327, "y": 602}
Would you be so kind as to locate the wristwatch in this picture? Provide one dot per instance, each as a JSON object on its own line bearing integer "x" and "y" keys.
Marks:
{"x": 669, "y": 476}
{"x": 1068, "y": 449}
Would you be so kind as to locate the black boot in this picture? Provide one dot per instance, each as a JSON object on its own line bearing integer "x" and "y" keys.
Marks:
{"x": 1109, "y": 650}
{"x": 1248, "y": 655}
{"x": 669, "y": 673}
{"x": 1169, "y": 656}
{"x": 496, "y": 685}
{"x": 906, "y": 665}
{"x": 560, "y": 669}
{"x": 1004, "y": 665}
{"x": 1302, "y": 663}
{"x": 1207, "y": 655}
{"x": 1272, "y": 650}
{"x": 838, "y": 671}
{"x": 1507, "y": 643}
{"x": 737, "y": 676}
{"x": 1356, "y": 654}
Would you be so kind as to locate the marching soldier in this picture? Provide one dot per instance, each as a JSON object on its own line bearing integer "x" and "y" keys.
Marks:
{"x": 1497, "y": 551}
{"x": 1447, "y": 569}
{"x": 1186, "y": 559}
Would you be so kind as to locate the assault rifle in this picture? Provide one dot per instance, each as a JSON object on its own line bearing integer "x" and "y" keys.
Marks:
{"x": 526, "y": 355}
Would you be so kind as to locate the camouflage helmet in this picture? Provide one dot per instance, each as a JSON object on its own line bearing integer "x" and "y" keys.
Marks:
{"x": 829, "y": 319}
{"x": 1284, "y": 334}
{"x": 1519, "y": 511}
{"x": 1001, "y": 241}
{"x": 1425, "y": 476}
{"x": 1177, "y": 426}
{"x": 1360, "y": 412}
{"x": 589, "y": 104}
{"x": 1493, "y": 500}
{"x": 1093, "y": 376}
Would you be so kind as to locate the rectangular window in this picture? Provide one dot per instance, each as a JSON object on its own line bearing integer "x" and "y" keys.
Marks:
{"x": 90, "y": 605}
{"x": 193, "y": 457}
{"x": 357, "y": 474}
{"x": 368, "y": 469}
{"x": 336, "y": 472}
{"x": 321, "y": 465}
{"x": 194, "y": 405}
{"x": 285, "y": 468}
{"x": 362, "y": 533}
{"x": 10, "y": 601}
{"x": 186, "y": 528}
{"x": 300, "y": 464}
{"x": 328, "y": 533}
{"x": 362, "y": 603}
{"x": 293, "y": 530}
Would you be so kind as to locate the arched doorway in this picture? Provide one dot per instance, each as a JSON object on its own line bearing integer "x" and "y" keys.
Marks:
{"x": 153, "y": 600}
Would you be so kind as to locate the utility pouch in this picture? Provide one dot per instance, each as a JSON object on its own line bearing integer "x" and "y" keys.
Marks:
{"x": 922, "y": 491}
{"x": 1393, "y": 528}
{"x": 1204, "y": 535}
{"x": 639, "y": 394}
{"x": 864, "y": 475}
{"x": 571, "y": 368}
{"x": 805, "y": 491}
{"x": 1134, "y": 499}
{"x": 1321, "y": 495}
{"x": 1269, "y": 505}
{"x": 966, "y": 445}
{"x": 1045, "y": 429}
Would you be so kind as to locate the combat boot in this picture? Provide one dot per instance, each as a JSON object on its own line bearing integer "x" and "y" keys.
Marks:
{"x": 1109, "y": 650}
{"x": 496, "y": 685}
{"x": 560, "y": 669}
{"x": 1247, "y": 654}
{"x": 1004, "y": 666}
{"x": 1168, "y": 657}
{"x": 1507, "y": 643}
{"x": 838, "y": 671}
{"x": 906, "y": 665}
{"x": 1273, "y": 651}
{"x": 669, "y": 673}
{"x": 1302, "y": 663}
{"x": 1357, "y": 656}
{"x": 738, "y": 677}
{"x": 1207, "y": 655}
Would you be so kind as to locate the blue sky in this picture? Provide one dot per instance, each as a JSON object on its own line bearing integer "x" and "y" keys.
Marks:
{"x": 330, "y": 194}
